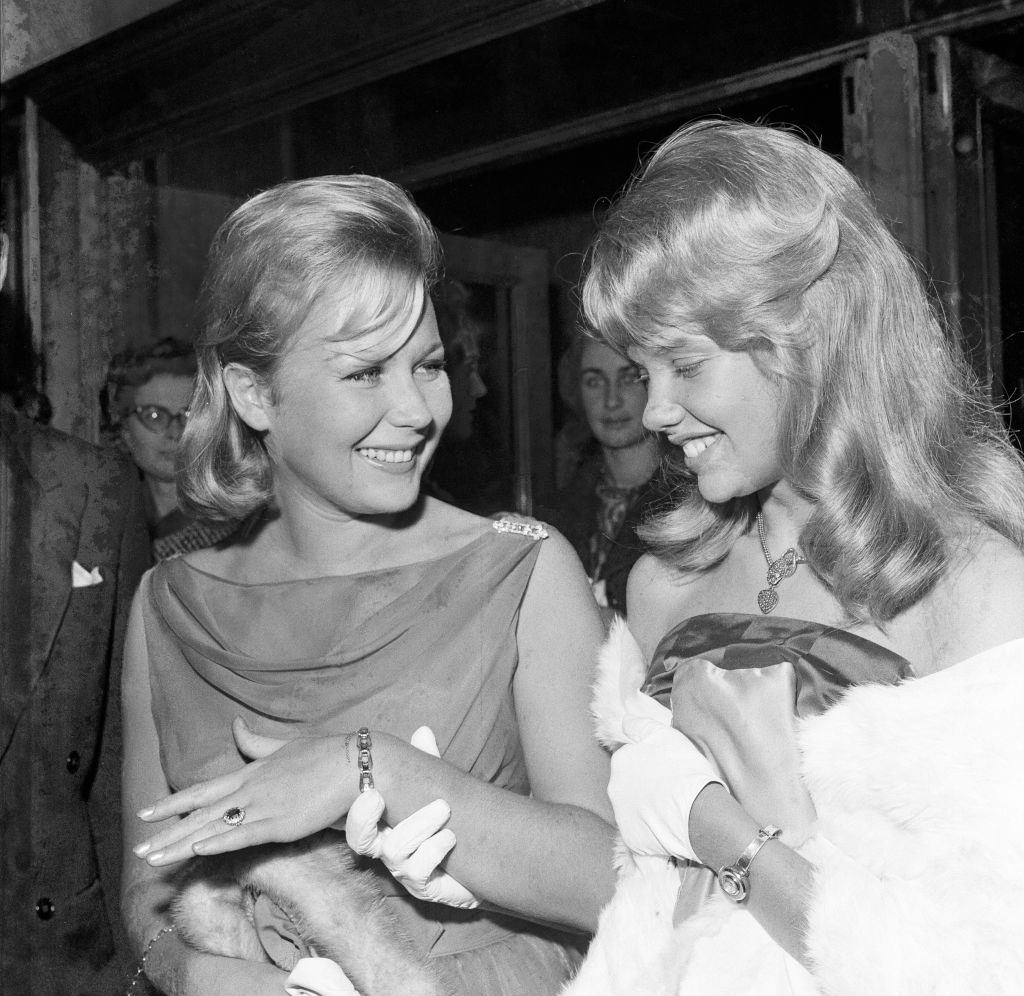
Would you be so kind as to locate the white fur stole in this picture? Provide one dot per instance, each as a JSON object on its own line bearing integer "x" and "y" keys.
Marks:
{"x": 918, "y": 852}
{"x": 919, "y": 858}
{"x": 637, "y": 951}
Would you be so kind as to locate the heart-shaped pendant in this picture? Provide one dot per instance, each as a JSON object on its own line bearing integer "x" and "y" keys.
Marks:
{"x": 767, "y": 599}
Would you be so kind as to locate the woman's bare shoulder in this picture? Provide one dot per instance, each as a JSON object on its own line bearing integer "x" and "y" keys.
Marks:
{"x": 650, "y": 570}
{"x": 978, "y": 604}
{"x": 659, "y": 596}
{"x": 990, "y": 583}
{"x": 558, "y": 570}
{"x": 558, "y": 609}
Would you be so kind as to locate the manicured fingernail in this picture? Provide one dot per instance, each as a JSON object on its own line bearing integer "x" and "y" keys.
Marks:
{"x": 143, "y": 813}
{"x": 141, "y": 849}
{"x": 155, "y": 859}
{"x": 199, "y": 847}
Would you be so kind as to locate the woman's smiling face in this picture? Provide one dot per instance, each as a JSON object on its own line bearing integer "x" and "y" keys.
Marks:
{"x": 719, "y": 409}
{"x": 354, "y": 423}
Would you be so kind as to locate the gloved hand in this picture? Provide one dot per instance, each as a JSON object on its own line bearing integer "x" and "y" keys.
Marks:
{"x": 654, "y": 780}
{"x": 413, "y": 850}
{"x": 318, "y": 977}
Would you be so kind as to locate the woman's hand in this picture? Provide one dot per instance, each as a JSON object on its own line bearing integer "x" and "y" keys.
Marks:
{"x": 654, "y": 781}
{"x": 291, "y": 789}
{"x": 745, "y": 720}
{"x": 414, "y": 849}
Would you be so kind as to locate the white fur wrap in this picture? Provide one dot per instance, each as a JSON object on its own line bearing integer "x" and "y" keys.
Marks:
{"x": 918, "y": 852}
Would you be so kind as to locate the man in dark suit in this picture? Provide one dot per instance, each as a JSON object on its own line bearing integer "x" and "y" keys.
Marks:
{"x": 72, "y": 548}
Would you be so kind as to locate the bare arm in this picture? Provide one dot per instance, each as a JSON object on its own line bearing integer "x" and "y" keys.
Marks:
{"x": 780, "y": 880}
{"x": 146, "y": 890}
{"x": 561, "y": 840}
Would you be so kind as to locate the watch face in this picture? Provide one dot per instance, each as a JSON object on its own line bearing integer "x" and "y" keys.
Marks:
{"x": 734, "y": 883}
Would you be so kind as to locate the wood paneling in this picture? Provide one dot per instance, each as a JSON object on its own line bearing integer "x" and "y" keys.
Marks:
{"x": 95, "y": 274}
{"x": 208, "y": 66}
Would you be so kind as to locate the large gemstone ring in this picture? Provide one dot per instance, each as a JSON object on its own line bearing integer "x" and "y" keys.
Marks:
{"x": 233, "y": 816}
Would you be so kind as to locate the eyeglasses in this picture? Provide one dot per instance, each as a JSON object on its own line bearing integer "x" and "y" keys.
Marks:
{"x": 156, "y": 418}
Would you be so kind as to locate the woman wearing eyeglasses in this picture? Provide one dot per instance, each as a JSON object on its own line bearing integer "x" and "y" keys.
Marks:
{"x": 145, "y": 404}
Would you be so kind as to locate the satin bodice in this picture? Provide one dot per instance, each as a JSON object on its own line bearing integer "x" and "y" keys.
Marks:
{"x": 826, "y": 660}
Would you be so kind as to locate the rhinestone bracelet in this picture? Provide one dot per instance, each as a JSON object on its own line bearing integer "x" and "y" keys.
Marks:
{"x": 365, "y": 758}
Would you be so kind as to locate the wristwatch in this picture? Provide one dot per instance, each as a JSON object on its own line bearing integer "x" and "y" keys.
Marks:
{"x": 735, "y": 879}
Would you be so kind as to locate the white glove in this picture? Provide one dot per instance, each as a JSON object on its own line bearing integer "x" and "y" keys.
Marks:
{"x": 318, "y": 977}
{"x": 654, "y": 780}
{"x": 641, "y": 714}
{"x": 413, "y": 850}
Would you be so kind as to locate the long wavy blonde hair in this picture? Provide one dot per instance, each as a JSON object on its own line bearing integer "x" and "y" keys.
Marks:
{"x": 270, "y": 262}
{"x": 756, "y": 238}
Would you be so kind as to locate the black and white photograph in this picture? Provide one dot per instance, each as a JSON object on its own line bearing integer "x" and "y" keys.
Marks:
{"x": 511, "y": 498}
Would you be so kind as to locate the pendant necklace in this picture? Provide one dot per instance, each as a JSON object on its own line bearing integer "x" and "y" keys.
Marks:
{"x": 778, "y": 570}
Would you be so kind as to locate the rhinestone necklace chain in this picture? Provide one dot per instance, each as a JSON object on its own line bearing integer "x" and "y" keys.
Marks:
{"x": 778, "y": 570}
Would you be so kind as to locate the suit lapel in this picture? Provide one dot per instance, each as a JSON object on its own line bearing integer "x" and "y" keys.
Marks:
{"x": 46, "y": 507}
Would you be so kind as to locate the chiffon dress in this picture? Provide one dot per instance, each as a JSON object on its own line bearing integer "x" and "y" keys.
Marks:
{"x": 431, "y": 643}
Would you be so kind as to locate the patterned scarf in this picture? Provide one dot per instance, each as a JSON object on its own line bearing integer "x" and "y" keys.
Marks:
{"x": 613, "y": 504}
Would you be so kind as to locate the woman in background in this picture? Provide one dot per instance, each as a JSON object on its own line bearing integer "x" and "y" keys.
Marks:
{"x": 145, "y": 405}
{"x": 356, "y": 602}
{"x": 857, "y": 519}
{"x": 615, "y": 484}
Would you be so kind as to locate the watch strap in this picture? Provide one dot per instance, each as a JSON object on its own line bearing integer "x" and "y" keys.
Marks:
{"x": 734, "y": 879}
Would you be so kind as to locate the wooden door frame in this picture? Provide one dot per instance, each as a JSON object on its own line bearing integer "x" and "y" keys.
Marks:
{"x": 523, "y": 273}
{"x": 916, "y": 136}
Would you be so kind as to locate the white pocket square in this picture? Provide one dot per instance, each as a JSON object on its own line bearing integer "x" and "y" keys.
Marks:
{"x": 81, "y": 578}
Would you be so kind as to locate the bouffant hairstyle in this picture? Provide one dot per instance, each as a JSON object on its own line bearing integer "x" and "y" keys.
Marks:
{"x": 756, "y": 238}
{"x": 270, "y": 263}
